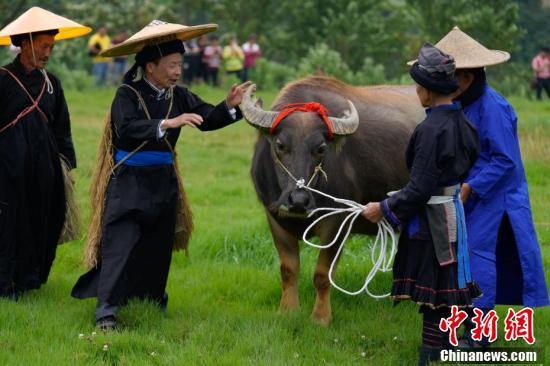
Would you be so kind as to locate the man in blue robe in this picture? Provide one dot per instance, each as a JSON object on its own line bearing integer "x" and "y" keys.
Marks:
{"x": 505, "y": 256}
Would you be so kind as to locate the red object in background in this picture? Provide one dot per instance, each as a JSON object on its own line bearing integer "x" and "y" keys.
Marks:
{"x": 519, "y": 325}
{"x": 452, "y": 323}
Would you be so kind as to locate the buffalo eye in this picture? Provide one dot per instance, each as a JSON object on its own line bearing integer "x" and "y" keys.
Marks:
{"x": 280, "y": 148}
{"x": 321, "y": 149}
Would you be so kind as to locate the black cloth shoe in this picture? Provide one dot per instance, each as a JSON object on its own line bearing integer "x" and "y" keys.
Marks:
{"x": 107, "y": 323}
{"x": 427, "y": 355}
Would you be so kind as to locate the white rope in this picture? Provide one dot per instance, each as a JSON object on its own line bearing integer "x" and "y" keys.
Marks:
{"x": 385, "y": 232}
{"x": 48, "y": 82}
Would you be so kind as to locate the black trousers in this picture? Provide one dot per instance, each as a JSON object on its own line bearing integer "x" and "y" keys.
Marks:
{"x": 542, "y": 84}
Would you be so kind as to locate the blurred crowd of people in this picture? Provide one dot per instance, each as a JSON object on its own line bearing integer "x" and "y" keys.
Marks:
{"x": 202, "y": 61}
{"x": 204, "y": 57}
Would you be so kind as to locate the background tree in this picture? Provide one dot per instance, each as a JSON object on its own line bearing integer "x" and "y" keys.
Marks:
{"x": 357, "y": 40}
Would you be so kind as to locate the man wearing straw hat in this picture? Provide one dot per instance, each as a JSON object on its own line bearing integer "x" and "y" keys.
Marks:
{"x": 36, "y": 149}
{"x": 505, "y": 255}
{"x": 140, "y": 212}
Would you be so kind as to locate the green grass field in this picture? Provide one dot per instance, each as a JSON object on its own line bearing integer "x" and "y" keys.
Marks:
{"x": 224, "y": 298}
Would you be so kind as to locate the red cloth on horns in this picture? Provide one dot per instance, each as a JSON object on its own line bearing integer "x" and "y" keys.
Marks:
{"x": 303, "y": 107}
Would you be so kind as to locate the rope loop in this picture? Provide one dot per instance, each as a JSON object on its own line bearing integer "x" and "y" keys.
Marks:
{"x": 385, "y": 238}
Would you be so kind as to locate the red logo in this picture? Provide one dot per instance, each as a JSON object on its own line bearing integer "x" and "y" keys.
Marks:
{"x": 519, "y": 325}
{"x": 451, "y": 323}
{"x": 485, "y": 325}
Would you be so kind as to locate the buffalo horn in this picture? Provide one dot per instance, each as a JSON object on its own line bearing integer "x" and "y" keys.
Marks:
{"x": 347, "y": 124}
{"x": 254, "y": 114}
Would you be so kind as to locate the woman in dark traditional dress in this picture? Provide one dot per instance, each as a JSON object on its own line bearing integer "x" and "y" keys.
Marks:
{"x": 431, "y": 266}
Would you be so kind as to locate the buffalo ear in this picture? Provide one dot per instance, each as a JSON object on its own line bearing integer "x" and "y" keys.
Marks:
{"x": 338, "y": 142}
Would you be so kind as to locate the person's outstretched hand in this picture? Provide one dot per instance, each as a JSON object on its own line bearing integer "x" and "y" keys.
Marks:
{"x": 185, "y": 119}
{"x": 236, "y": 93}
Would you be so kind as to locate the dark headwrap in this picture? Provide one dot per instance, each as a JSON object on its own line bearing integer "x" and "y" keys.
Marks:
{"x": 153, "y": 53}
{"x": 18, "y": 38}
{"x": 435, "y": 70}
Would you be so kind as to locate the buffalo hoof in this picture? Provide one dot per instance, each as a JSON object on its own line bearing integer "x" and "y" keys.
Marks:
{"x": 289, "y": 305}
{"x": 323, "y": 320}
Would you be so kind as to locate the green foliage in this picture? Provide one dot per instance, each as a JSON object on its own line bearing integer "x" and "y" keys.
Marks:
{"x": 533, "y": 19}
{"x": 372, "y": 74}
{"x": 361, "y": 41}
{"x": 493, "y": 23}
{"x": 272, "y": 75}
{"x": 322, "y": 59}
{"x": 355, "y": 29}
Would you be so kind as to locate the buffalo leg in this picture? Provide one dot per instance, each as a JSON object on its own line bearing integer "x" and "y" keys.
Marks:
{"x": 289, "y": 256}
{"x": 322, "y": 311}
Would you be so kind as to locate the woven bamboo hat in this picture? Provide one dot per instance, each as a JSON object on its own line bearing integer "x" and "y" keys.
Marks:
{"x": 38, "y": 20}
{"x": 467, "y": 52}
{"x": 158, "y": 32}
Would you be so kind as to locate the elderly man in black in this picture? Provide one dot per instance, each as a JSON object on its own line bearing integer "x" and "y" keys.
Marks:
{"x": 35, "y": 134}
{"x": 139, "y": 219}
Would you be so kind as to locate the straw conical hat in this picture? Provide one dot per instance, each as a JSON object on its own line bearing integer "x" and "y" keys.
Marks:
{"x": 37, "y": 20}
{"x": 158, "y": 32}
{"x": 467, "y": 52}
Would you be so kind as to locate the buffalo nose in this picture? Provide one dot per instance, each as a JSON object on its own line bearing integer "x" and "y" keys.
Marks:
{"x": 298, "y": 200}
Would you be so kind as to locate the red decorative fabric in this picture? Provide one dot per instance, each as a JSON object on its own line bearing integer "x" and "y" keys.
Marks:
{"x": 28, "y": 109}
{"x": 303, "y": 107}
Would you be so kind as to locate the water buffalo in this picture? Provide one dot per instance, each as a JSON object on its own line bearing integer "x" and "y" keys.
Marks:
{"x": 361, "y": 161}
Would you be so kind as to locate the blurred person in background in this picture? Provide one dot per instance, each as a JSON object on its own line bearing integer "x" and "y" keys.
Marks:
{"x": 541, "y": 68}
{"x": 252, "y": 52}
{"x": 98, "y": 43}
{"x": 233, "y": 58}
{"x": 191, "y": 62}
{"x": 212, "y": 57}
{"x": 120, "y": 63}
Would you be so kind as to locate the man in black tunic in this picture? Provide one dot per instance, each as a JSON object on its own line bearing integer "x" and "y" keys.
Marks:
{"x": 35, "y": 133}
{"x": 138, "y": 224}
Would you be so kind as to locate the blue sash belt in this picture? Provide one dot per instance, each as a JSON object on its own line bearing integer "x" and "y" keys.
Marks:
{"x": 447, "y": 223}
{"x": 464, "y": 275}
{"x": 144, "y": 158}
